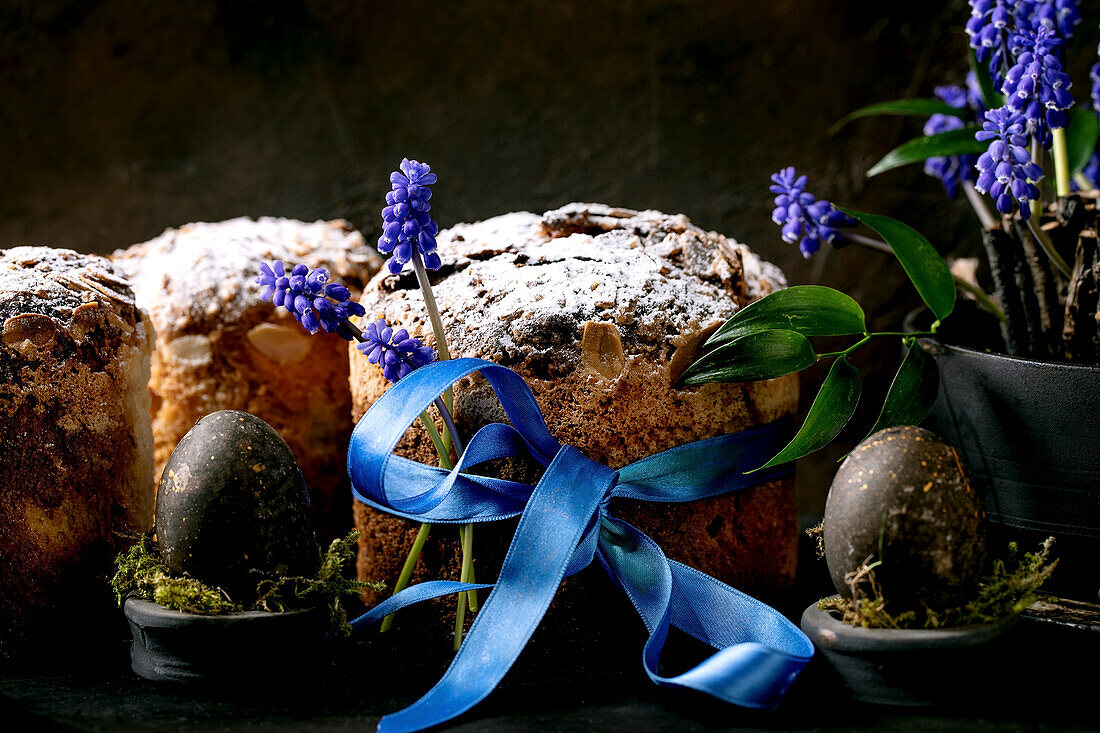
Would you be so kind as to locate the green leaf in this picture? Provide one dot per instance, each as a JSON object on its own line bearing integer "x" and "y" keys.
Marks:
{"x": 917, "y": 150}
{"x": 762, "y": 355}
{"x": 811, "y": 310}
{"x": 922, "y": 263}
{"x": 991, "y": 98}
{"x": 1081, "y": 137}
{"x": 916, "y": 107}
{"x": 832, "y": 409}
{"x": 913, "y": 391}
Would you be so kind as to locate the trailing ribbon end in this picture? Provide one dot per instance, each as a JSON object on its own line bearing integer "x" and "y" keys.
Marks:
{"x": 563, "y": 526}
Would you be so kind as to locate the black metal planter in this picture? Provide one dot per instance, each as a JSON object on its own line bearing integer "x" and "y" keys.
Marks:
{"x": 244, "y": 649}
{"x": 1030, "y": 432}
{"x": 912, "y": 667}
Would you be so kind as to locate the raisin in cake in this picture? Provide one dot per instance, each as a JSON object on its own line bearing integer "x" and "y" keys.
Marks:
{"x": 76, "y": 449}
{"x": 220, "y": 347}
{"x": 600, "y": 310}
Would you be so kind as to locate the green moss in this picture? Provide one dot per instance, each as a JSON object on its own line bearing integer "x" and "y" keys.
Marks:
{"x": 326, "y": 590}
{"x": 1003, "y": 593}
{"x": 187, "y": 594}
{"x": 140, "y": 572}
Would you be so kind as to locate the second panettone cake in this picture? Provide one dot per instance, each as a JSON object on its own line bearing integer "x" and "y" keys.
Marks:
{"x": 220, "y": 347}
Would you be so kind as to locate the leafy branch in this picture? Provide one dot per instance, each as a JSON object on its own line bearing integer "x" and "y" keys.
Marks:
{"x": 770, "y": 338}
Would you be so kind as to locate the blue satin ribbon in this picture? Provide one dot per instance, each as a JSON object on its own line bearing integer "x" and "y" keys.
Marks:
{"x": 564, "y": 525}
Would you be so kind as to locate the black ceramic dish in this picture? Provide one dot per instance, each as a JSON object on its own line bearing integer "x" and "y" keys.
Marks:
{"x": 911, "y": 667}
{"x": 249, "y": 648}
{"x": 1029, "y": 431}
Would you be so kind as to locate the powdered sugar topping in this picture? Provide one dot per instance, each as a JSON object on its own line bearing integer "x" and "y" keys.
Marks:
{"x": 198, "y": 276}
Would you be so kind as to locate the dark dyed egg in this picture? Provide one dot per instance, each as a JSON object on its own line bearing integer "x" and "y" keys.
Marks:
{"x": 232, "y": 505}
{"x": 903, "y": 498}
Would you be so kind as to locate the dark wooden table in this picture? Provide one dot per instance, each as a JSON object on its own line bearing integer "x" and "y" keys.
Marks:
{"x": 1050, "y": 682}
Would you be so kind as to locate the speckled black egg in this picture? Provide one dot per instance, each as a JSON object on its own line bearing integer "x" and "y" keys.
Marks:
{"x": 903, "y": 498}
{"x": 232, "y": 504}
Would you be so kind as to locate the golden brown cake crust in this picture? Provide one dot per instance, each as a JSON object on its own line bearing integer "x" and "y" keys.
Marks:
{"x": 220, "y": 347}
{"x": 75, "y": 441}
{"x": 601, "y": 310}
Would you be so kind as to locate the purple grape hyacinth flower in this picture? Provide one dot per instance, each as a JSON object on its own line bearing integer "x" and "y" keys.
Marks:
{"x": 396, "y": 352}
{"x": 313, "y": 301}
{"x": 406, "y": 225}
{"x": 1036, "y": 86}
{"x": 1006, "y": 171}
{"x": 991, "y": 25}
{"x": 803, "y": 218}
{"x": 1094, "y": 74}
{"x": 951, "y": 170}
{"x": 1061, "y": 16}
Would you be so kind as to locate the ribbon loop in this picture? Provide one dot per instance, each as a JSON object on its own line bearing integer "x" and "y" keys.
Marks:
{"x": 564, "y": 525}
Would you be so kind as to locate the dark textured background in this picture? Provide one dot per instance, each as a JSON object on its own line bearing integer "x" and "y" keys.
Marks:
{"x": 121, "y": 118}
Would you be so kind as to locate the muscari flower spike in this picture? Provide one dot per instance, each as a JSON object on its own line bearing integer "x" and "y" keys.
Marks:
{"x": 396, "y": 352}
{"x": 313, "y": 301}
{"x": 1006, "y": 171}
{"x": 952, "y": 170}
{"x": 407, "y": 228}
{"x": 803, "y": 218}
{"x": 1036, "y": 86}
{"x": 991, "y": 25}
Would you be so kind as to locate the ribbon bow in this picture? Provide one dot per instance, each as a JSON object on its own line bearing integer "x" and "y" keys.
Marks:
{"x": 564, "y": 525}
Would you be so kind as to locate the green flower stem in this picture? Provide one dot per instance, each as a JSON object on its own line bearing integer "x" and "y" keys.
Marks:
{"x": 468, "y": 529}
{"x": 1061, "y": 161}
{"x": 1048, "y": 247}
{"x": 431, "y": 306}
{"x": 433, "y": 315}
{"x": 466, "y": 537}
{"x": 437, "y": 440}
{"x": 460, "y": 611}
{"x": 422, "y": 533}
{"x": 447, "y": 410}
{"x": 468, "y": 563}
{"x": 1084, "y": 183}
{"x": 467, "y": 576}
{"x": 875, "y": 244}
{"x": 443, "y": 450}
{"x": 442, "y": 444}
{"x": 985, "y": 216}
{"x": 406, "y": 570}
{"x": 473, "y": 594}
{"x": 449, "y": 422}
